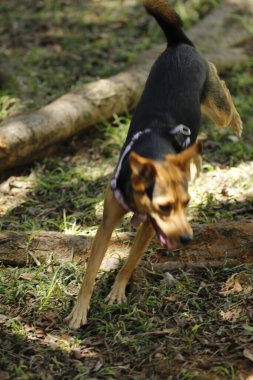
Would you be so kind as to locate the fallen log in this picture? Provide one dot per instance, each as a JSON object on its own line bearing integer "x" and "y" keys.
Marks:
{"x": 227, "y": 243}
{"x": 26, "y": 137}
{"x": 43, "y": 246}
{"x": 170, "y": 266}
{"x": 214, "y": 245}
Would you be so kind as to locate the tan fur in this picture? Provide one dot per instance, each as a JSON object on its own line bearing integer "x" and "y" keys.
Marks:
{"x": 184, "y": 158}
{"x": 142, "y": 239}
{"x": 194, "y": 168}
{"x": 143, "y": 172}
{"x": 113, "y": 213}
{"x": 218, "y": 103}
{"x": 171, "y": 188}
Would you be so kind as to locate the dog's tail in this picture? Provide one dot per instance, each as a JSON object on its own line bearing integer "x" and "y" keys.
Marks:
{"x": 169, "y": 21}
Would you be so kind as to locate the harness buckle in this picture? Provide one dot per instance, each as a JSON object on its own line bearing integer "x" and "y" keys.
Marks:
{"x": 185, "y": 131}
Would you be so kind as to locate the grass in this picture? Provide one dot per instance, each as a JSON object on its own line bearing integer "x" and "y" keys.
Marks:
{"x": 196, "y": 328}
{"x": 55, "y": 47}
{"x": 156, "y": 328}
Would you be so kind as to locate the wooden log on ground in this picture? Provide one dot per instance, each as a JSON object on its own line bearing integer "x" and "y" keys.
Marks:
{"x": 43, "y": 246}
{"x": 224, "y": 243}
{"x": 26, "y": 137}
{"x": 214, "y": 245}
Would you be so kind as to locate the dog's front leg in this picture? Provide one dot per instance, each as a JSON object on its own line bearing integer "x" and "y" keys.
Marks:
{"x": 143, "y": 237}
{"x": 113, "y": 213}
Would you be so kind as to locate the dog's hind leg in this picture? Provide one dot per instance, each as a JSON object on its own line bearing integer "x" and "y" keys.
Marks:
{"x": 113, "y": 213}
{"x": 218, "y": 104}
{"x": 142, "y": 239}
{"x": 194, "y": 168}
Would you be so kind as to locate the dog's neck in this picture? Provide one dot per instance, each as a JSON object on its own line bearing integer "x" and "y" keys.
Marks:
{"x": 152, "y": 144}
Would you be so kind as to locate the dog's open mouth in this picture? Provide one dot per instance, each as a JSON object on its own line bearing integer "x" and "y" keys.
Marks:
{"x": 164, "y": 239}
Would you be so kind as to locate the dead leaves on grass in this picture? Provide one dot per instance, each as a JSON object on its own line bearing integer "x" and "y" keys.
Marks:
{"x": 237, "y": 283}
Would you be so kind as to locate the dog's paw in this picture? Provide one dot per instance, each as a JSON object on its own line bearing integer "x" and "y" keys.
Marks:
{"x": 194, "y": 169}
{"x": 117, "y": 295}
{"x": 236, "y": 124}
{"x": 77, "y": 317}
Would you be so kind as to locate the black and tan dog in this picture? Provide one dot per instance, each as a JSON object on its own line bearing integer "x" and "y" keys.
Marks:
{"x": 151, "y": 176}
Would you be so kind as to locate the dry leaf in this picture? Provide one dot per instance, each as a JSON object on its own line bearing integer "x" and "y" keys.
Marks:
{"x": 237, "y": 283}
{"x": 231, "y": 286}
{"x": 26, "y": 276}
{"x": 3, "y": 318}
{"x": 168, "y": 279}
{"x": 230, "y": 315}
{"x": 171, "y": 298}
{"x": 248, "y": 353}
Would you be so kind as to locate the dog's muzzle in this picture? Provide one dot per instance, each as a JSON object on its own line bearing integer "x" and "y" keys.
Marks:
{"x": 164, "y": 239}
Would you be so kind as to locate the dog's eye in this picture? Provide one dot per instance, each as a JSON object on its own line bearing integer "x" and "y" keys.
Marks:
{"x": 166, "y": 208}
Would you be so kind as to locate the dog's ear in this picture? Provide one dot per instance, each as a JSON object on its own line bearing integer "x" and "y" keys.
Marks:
{"x": 183, "y": 159}
{"x": 143, "y": 172}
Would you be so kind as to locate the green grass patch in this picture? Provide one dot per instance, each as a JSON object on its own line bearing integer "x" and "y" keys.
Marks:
{"x": 146, "y": 336}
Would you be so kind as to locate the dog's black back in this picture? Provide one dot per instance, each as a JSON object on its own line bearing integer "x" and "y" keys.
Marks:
{"x": 173, "y": 92}
{"x": 174, "y": 89}
{"x": 172, "y": 95}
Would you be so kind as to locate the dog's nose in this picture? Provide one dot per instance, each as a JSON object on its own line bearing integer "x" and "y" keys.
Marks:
{"x": 185, "y": 239}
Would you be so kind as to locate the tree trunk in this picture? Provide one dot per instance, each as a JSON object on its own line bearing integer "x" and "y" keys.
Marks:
{"x": 26, "y": 137}
{"x": 213, "y": 245}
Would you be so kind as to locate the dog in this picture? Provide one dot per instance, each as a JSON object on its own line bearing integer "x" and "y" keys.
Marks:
{"x": 151, "y": 177}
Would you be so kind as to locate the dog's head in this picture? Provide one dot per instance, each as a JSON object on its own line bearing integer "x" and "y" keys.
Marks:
{"x": 160, "y": 190}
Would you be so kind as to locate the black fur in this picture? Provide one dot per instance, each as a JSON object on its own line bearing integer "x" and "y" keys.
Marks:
{"x": 172, "y": 96}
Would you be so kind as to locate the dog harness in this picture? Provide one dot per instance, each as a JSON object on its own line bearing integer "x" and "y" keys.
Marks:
{"x": 180, "y": 129}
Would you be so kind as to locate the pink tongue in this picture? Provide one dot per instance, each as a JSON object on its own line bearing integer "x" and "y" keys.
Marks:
{"x": 166, "y": 241}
